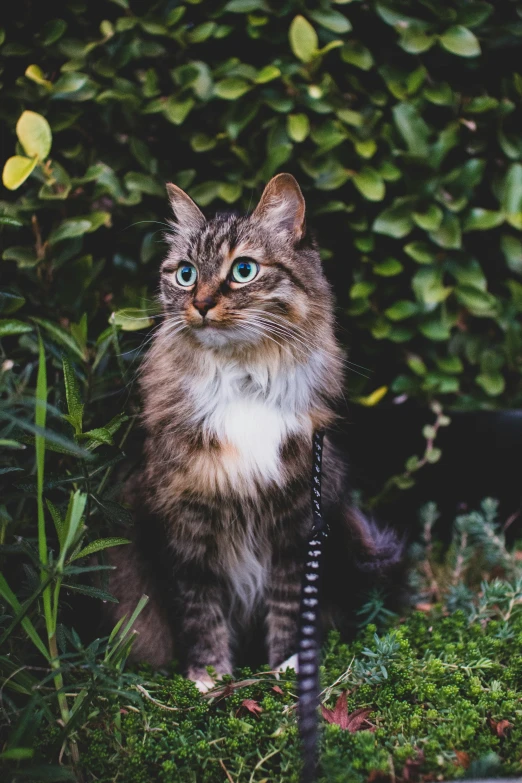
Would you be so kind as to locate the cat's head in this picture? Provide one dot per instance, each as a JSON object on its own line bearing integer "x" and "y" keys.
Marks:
{"x": 237, "y": 281}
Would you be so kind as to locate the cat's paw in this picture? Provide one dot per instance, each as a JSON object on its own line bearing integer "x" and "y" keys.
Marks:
{"x": 202, "y": 680}
{"x": 290, "y": 663}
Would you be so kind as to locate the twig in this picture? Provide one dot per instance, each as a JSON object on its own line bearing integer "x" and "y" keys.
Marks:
{"x": 147, "y": 695}
{"x": 225, "y": 770}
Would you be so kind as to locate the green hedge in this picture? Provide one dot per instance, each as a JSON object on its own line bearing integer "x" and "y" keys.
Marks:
{"x": 401, "y": 119}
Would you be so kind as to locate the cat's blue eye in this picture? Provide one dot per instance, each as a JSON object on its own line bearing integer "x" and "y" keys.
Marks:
{"x": 244, "y": 270}
{"x": 186, "y": 274}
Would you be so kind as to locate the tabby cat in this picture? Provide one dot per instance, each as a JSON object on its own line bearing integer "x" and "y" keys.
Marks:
{"x": 243, "y": 370}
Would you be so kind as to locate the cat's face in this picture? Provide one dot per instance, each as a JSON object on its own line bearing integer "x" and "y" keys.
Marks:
{"x": 243, "y": 280}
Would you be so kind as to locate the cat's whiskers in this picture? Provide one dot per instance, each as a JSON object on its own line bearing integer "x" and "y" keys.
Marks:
{"x": 291, "y": 328}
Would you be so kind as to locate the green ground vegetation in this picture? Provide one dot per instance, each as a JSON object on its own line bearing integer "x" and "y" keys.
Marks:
{"x": 436, "y": 693}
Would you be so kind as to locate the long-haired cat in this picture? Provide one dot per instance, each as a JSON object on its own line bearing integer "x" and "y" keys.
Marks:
{"x": 244, "y": 368}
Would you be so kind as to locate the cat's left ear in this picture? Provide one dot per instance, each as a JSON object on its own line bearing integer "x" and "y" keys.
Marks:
{"x": 282, "y": 206}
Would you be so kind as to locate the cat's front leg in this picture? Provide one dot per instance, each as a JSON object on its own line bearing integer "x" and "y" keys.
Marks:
{"x": 203, "y": 631}
{"x": 283, "y": 607}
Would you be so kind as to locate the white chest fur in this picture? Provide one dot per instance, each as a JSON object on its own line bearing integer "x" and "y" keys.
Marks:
{"x": 251, "y": 411}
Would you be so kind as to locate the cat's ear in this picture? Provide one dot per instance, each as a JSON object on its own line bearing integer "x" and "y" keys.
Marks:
{"x": 186, "y": 212}
{"x": 282, "y": 206}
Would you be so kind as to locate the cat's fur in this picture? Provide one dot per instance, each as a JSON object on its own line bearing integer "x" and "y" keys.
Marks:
{"x": 231, "y": 400}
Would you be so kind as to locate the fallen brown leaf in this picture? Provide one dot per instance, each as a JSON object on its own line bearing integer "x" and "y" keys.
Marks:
{"x": 424, "y": 606}
{"x": 252, "y": 706}
{"x": 411, "y": 769}
{"x": 462, "y": 758}
{"x": 277, "y": 689}
{"x": 500, "y": 727}
{"x": 355, "y": 721}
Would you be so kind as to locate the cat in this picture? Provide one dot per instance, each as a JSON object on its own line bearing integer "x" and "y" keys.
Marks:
{"x": 242, "y": 371}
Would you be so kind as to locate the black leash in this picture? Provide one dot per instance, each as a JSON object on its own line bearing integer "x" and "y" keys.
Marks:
{"x": 309, "y": 647}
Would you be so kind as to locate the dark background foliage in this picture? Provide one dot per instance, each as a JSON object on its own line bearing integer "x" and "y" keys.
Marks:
{"x": 402, "y": 125}
{"x": 400, "y": 119}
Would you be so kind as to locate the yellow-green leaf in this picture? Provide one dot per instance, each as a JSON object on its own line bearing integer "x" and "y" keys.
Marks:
{"x": 131, "y": 319}
{"x": 374, "y": 398}
{"x": 34, "y": 133}
{"x": 303, "y": 39}
{"x": 35, "y": 73}
{"x": 298, "y": 127}
{"x": 16, "y": 171}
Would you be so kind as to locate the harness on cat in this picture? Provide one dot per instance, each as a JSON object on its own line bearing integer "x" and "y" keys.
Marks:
{"x": 308, "y": 654}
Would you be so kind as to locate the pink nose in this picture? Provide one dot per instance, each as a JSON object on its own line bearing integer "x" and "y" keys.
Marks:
{"x": 204, "y": 305}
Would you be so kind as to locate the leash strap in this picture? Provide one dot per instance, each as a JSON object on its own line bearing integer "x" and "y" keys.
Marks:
{"x": 309, "y": 621}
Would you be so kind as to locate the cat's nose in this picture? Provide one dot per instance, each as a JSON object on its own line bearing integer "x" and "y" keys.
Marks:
{"x": 204, "y": 304}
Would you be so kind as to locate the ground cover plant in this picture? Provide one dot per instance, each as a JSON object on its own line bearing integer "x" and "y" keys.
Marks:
{"x": 435, "y": 695}
{"x": 401, "y": 120}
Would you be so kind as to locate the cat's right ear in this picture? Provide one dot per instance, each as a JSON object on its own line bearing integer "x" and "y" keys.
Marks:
{"x": 188, "y": 215}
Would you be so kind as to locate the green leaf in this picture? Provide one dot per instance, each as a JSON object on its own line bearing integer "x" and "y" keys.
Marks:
{"x": 10, "y": 303}
{"x": 298, "y": 127}
{"x": 479, "y": 303}
{"x": 479, "y": 219}
{"x": 388, "y": 268}
{"x": 69, "y": 229}
{"x": 232, "y": 88}
{"x": 370, "y": 183}
{"x": 60, "y": 336}
{"x": 52, "y": 31}
{"x": 92, "y": 592}
{"x": 428, "y": 287}
{"x": 448, "y": 234}
{"x": 512, "y": 249}
{"x": 435, "y": 330}
{"x": 16, "y": 171}
{"x": 98, "y": 435}
{"x": 8, "y": 595}
{"x": 131, "y": 319}
{"x": 395, "y": 221}
{"x": 331, "y": 20}
{"x": 401, "y": 310}
{"x": 73, "y": 519}
{"x": 70, "y": 83}
{"x": 72, "y": 393}
{"x": 356, "y": 54}
{"x": 25, "y": 257}
{"x": 421, "y": 252}
{"x": 58, "y": 521}
{"x": 303, "y": 39}
{"x": 245, "y": 6}
{"x": 459, "y": 40}
{"x": 17, "y": 754}
{"x": 512, "y": 190}
{"x": 362, "y": 289}
{"x": 177, "y": 111}
{"x": 267, "y": 74}
{"x": 97, "y": 546}
{"x": 5, "y": 220}
{"x": 416, "y": 40}
{"x": 11, "y": 326}
{"x": 492, "y": 383}
{"x": 412, "y": 128}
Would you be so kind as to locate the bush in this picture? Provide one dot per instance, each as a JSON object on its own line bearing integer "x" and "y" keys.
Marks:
{"x": 401, "y": 119}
